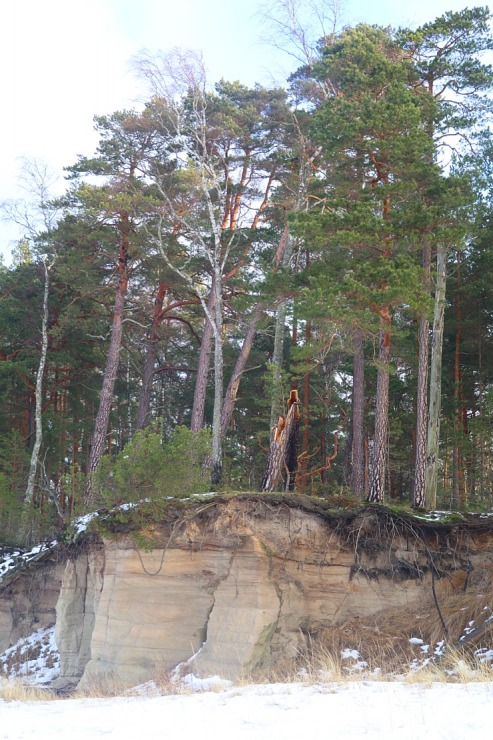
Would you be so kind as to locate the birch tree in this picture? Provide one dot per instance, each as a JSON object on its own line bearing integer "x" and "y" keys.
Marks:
{"x": 37, "y": 216}
{"x": 224, "y": 141}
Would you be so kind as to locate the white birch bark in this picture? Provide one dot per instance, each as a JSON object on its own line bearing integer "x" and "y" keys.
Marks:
{"x": 33, "y": 465}
{"x": 436, "y": 382}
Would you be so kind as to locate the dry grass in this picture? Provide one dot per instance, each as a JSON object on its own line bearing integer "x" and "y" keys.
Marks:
{"x": 454, "y": 667}
{"x": 98, "y": 687}
{"x": 381, "y": 657}
{"x": 325, "y": 666}
{"x": 170, "y": 681}
{"x": 457, "y": 611}
{"x": 320, "y": 667}
{"x": 162, "y": 682}
{"x": 382, "y": 652}
{"x": 15, "y": 690}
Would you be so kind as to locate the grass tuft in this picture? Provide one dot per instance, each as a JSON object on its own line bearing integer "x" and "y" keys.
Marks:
{"x": 16, "y": 690}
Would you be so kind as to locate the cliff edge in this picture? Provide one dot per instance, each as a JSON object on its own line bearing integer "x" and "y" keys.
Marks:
{"x": 234, "y": 586}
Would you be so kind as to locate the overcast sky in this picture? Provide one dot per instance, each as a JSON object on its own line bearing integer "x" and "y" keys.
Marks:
{"x": 62, "y": 62}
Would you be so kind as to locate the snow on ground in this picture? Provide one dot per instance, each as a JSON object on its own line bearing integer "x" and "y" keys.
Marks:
{"x": 213, "y": 709}
{"x": 265, "y": 712}
{"x": 34, "y": 659}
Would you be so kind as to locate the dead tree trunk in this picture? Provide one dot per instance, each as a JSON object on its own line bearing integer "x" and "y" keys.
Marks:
{"x": 283, "y": 440}
{"x": 302, "y": 480}
{"x": 292, "y": 444}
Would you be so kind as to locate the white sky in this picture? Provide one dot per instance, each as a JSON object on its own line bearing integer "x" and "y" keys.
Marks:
{"x": 62, "y": 62}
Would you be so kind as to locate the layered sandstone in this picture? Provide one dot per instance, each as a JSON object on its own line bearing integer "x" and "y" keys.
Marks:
{"x": 243, "y": 584}
{"x": 238, "y": 584}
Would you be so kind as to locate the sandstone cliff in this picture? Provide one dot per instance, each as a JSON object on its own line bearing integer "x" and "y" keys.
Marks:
{"x": 239, "y": 584}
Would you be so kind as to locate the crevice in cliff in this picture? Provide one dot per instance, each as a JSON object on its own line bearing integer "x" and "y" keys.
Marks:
{"x": 247, "y": 579}
{"x": 280, "y": 596}
{"x": 183, "y": 667}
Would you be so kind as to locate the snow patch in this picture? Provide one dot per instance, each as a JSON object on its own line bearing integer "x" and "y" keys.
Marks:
{"x": 211, "y": 683}
{"x": 357, "y": 665}
{"x": 12, "y": 559}
{"x": 34, "y": 659}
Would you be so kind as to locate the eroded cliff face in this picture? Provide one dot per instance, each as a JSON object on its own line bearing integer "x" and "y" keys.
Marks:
{"x": 239, "y": 584}
{"x": 76, "y": 610}
{"x": 29, "y": 602}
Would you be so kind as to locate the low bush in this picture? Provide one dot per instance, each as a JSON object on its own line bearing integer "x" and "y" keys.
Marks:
{"x": 148, "y": 469}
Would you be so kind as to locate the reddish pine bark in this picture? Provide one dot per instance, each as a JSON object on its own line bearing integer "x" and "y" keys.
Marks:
{"x": 377, "y": 480}
{"x": 358, "y": 476}
{"x": 301, "y": 481}
{"x": 422, "y": 394}
{"x": 98, "y": 442}
{"x": 460, "y": 415}
{"x": 239, "y": 369}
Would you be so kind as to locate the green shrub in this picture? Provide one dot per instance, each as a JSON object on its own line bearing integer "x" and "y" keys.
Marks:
{"x": 148, "y": 469}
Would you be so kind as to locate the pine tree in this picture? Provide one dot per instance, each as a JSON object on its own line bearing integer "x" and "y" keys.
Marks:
{"x": 446, "y": 54}
{"x": 120, "y": 203}
{"x": 371, "y": 131}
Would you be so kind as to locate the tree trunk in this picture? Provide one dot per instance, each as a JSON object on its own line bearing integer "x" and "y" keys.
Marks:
{"x": 277, "y": 403}
{"x": 459, "y": 497}
{"x": 143, "y": 417}
{"x": 198, "y": 408}
{"x": 436, "y": 382}
{"x": 143, "y": 411}
{"x": 33, "y": 466}
{"x": 358, "y": 477}
{"x": 348, "y": 453}
{"x": 282, "y": 258}
{"x": 380, "y": 439}
{"x": 422, "y": 393}
{"x": 281, "y": 440}
{"x": 291, "y": 454}
{"x": 283, "y": 255}
{"x": 377, "y": 481}
{"x": 217, "y": 457}
{"x": 302, "y": 481}
{"x": 98, "y": 442}
{"x": 234, "y": 382}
